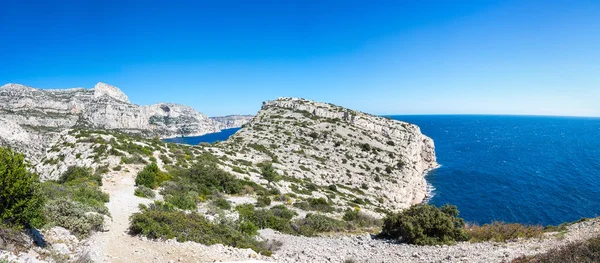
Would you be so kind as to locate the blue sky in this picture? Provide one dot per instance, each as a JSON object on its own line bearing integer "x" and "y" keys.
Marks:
{"x": 382, "y": 57}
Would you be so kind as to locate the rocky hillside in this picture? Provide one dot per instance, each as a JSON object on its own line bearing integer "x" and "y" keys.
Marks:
{"x": 371, "y": 160}
{"x": 33, "y": 115}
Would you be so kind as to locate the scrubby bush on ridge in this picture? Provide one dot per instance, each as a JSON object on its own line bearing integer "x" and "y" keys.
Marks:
{"x": 151, "y": 176}
{"x": 162, "y": 220}
{"x": 145, "y": 192}
{"x": 20, "y": 199}
{"x": 502, "y": 232}
{"x": 73, "y": 216}
{"x": 425, "y": 225}
{"x": 76, "y": 202}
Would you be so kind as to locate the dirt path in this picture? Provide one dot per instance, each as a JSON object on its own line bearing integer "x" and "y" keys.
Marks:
{"x": 118, "y": 246}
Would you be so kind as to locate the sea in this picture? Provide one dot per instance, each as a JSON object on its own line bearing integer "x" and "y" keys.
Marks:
{"x": 524, "y": 169}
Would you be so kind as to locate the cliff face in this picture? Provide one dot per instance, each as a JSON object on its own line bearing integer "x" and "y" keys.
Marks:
{"x": 231, "y": 121}
{"x": 31, "y": 115}
{"x": 382, "y": 160}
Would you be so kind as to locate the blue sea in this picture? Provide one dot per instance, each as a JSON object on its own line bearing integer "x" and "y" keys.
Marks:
{"x": 525, "y": 169}
{"x": 209, "y": 138}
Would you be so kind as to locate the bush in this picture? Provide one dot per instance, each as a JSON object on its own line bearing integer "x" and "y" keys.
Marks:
{"x": 277, "y": 217}
{"x": 160, "y": 220}
{"x": 582, "y": 251}
{"x": 502, "y": 232}
{"x": 269, "y": 173}
{"x": 315, "y": 223}
{"x": 359, "y": 219}
{"x": 183, "y": 200}
{"x": 83, "y": 191}
{"x": 134, "y": 159}
{"x": 222, "y": 203}
{"x": 73, "y": 216}
{"x": 315, "y": 204}
{"x": 147, "y": 176}
{"x": 20, "y": 199}
{"x": 425, "y": 225}
{"x": 263, "y": 201}
{"x": 206, "y": 177}
{"x": 79, "y": 174}
{"x": 144, "y": 192}
{"x": 76, "y": 201}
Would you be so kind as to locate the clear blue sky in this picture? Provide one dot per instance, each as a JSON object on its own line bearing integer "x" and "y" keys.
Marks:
{"x": 383, "y": 57}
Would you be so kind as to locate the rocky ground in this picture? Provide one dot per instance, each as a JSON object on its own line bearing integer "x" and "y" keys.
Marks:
{"x": 365, "y": 248}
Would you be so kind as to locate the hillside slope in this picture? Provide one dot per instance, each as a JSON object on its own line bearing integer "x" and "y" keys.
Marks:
{"x": 381, "y": 160}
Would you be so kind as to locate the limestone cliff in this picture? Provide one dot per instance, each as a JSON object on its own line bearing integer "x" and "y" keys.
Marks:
{"x": 231, "y": 121}
{"x": 31, "y": 116}
{"x": 377, "y": 160}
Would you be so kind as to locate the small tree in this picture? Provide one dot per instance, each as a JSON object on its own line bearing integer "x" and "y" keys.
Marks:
{"x": 269, "y": 173}
{"x": 147, "y": 176}
{"x": 20, "y": 199}
{"x": 426, "y": 225}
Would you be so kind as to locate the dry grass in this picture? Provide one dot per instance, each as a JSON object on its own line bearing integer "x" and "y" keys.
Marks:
{"x": 581, "y": 252}
{"x": 502, "y": 232}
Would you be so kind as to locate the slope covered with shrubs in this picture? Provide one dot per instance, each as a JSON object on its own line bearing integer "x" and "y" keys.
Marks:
{"x": 76, "y": 202}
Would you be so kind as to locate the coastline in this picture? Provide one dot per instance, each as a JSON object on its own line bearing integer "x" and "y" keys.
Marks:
{"x": 429, "y": 188}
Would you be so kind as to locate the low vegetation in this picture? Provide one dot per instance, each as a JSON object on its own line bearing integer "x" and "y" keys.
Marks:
{"x": 144, "y": 192}
{"x": 76, "y": 202}
{"x": 151, "y": 176}
{"x": 582, "y": 251}
{"x": 502, "y": 232}
{"x": 163, "y": 220}
{"x": 425, "y": 225}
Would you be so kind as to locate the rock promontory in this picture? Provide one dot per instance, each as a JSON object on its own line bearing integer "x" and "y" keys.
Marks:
{"x": 371, "y": 160}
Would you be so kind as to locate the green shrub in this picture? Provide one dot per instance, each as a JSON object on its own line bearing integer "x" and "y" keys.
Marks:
{"x": 425, "y": 225}
{"x": 76, "y": 201}
{"x": 222, "y": 203}
{"x": 147, "y": 176}
{"x": 183, "y": 200}
{"x": 315, "y": 204}
{"x": 502, "y": 232}
{"x": 263, "y": 201}
{"x": 79, "y": 174}
{"x": 134, "y": 159}
{"x": 359, "y": 219}
{"x": 100, "y": 171}
{"x": 277, "y": 218}
{"x": 206, "y": 177}
{"x": 73, "y": 216}
{"x": 332, "y": 187}
{"x": 160, "y": 220}
{"x": 144, "y": 192}
{"x": 269, "y": 173}
{"x": 315, "y": 223}
{"x": 20, "y": 199}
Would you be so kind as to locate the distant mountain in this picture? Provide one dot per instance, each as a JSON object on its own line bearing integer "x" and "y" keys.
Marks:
{"x": 231, "y": 121}
{"x": 30, "y": 115}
